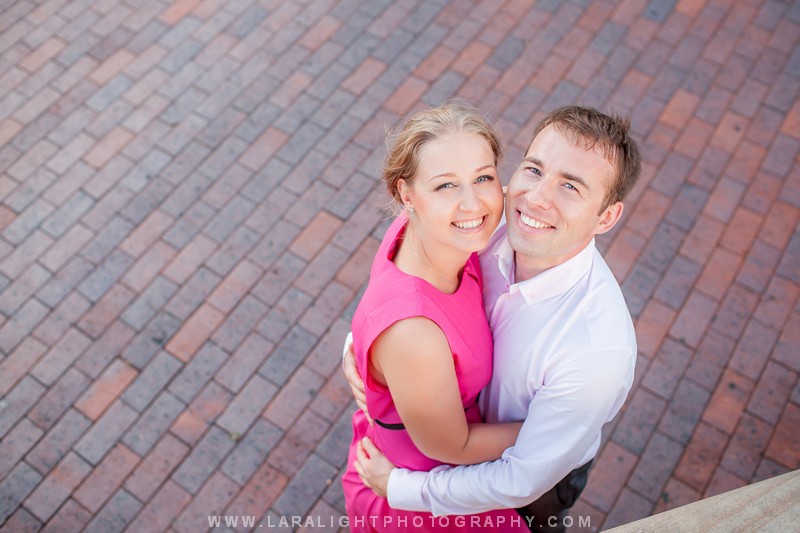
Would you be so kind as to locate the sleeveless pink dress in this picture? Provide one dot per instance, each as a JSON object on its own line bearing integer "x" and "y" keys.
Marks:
{"x": 391, "y": 296}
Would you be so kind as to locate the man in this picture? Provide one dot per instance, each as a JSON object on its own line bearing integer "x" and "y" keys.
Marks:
{"x": 564, "y": 349}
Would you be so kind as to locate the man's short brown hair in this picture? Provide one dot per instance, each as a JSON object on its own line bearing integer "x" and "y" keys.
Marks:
{"x": 590, "y": 128}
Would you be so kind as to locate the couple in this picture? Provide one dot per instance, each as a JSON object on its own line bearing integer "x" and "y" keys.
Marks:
{"x": 564, "y": 347}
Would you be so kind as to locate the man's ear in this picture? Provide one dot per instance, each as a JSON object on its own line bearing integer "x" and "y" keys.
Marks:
{"x": 608, "y": 218}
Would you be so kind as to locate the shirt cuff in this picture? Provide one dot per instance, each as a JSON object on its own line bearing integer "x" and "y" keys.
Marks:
{"x": 347, "y": 342}
{"x": 404, "y": 490}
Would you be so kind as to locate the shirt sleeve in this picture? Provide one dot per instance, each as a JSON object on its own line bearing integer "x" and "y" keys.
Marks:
{"x": 564, "y": 421}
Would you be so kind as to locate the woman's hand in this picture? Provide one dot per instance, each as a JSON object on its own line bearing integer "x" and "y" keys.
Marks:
{"x": 373, "y": 467}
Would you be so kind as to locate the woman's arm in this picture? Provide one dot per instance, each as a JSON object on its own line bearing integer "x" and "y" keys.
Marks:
{"x": 413, "y": 359}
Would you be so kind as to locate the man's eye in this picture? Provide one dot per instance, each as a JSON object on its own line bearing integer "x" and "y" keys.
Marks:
{"x": 534, "y": 170}
{"x": 570, "y": 187}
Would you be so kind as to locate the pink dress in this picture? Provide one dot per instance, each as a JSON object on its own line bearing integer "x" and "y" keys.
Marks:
{"x": 391, "y": 296}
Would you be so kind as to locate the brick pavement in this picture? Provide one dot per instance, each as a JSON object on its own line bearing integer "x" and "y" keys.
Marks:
{"x": 189, "y": 207}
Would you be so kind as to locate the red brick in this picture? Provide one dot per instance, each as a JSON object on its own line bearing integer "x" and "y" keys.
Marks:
{"x": 320, "y": 32}
{"x": 106, "y": 478}
{"x": 435, "y": 63}
{"x": 156, "y": 467}
{"x": 315, "y": 235}
{"x": 106, "y": 310}
{"x": 71, "y": 517}
{"x": 290, "y": 454}
{"x": 753, "y": 351}
{"x": 57, "y": 486}
{"x": 194, "y": 332}
{"x": 728, "y": 401}
{"x": 248, "y": 405}
{"x": 655, "y": 466}
{"x": 719, "y": 273}
{"x": 46, "y": 51}
{"x": 729, "y": 131}
{"x": 60, "y": 395}
{"x": 143, "y": 237}
{"x": 211, "y": 500}
{"x": 471, "y": 57}
{"x": 111, "y": 66}
{"x": 16, "y": 444}
{"x": 189, "y": 427}
{"x": 701, "y": 457}
{"x": 723, "y": 201}
{"x": 746, "y": 447}
{"x": 702, "y": 239}
{"x": 263, "y": 148}
{"x": 406, "y": 96}
{"x": 741, "y": 231}
{"x": 108, "y": 147}
{"x": 257, "y": 496}
{"x": 621, "y": 256}
{"x": 679, "y": 109}
{"x": 791, "y": 124}
{"x": 734, "y": 313}
{"x": 744, "y": 166}
{"x": 652, "y": 327}
{"x": 650, "y": 211}
{"x": 777, "y": 302}
{"x": 772, "y": 392}
{"x": 693, "y": 139}
{"x": 723, "y": 481}
{"x": 355, "y": 272}
{"x": 365, "y": 75}
{"x": 779, "y": 224}
{"x": 609, "y": 476}
{"x": 162, "y": 509}
{"x": 177, "y": 10}
{"x": 293, "y": 397}
{"x": 105, "y": 389}
{"x": 784, "y": 446}
{"x": 17, "y": 363}
{"x": 189, "y": 258}
{"x": 694, "y": 319}
{"x": 675, "y": 494}
{"x": 147, "y": 267}
{"x": 235, "y": 286}
{"x": 628, "y": 508}
{"x": 293, "y": 86}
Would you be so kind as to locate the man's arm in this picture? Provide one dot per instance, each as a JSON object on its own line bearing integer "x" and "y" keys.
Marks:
{"x": 563, "y": 422}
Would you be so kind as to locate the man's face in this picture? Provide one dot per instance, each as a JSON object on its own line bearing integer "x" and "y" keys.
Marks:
{"x": 554, "y": 198}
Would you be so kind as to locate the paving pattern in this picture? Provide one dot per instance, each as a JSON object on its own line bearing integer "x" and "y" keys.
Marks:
{"x": 189, "y": 204}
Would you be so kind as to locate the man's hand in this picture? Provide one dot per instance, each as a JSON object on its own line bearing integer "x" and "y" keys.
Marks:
{"x": 353, "y": 379}
{"x": 373, "y": 467}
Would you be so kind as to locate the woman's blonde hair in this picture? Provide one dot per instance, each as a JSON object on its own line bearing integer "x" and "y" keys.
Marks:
{"x": 429, "y": 125}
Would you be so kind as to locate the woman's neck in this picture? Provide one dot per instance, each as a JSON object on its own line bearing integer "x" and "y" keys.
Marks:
{"x": 440, "y": 268}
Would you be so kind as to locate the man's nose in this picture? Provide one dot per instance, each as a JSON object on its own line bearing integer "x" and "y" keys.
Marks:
{"x": 541, "y": 193}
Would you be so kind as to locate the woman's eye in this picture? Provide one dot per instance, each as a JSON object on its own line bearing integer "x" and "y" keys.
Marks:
{"x": 444, "y": 186}
{"x": 485, "y": 178}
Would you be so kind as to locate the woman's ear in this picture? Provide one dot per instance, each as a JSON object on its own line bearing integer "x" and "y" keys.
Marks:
{"x": 404, "y": 190}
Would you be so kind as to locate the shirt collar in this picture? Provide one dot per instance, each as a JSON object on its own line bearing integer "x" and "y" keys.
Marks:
{"x": 551, "y": 282}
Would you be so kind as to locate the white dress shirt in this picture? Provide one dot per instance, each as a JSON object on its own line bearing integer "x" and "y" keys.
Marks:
{"x": 564, "y": 353}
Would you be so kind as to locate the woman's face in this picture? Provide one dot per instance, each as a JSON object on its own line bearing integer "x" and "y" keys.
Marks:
{"x": 456, "y": 193}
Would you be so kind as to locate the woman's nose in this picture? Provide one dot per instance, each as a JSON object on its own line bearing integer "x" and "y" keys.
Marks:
{"x": 469, "y": 200}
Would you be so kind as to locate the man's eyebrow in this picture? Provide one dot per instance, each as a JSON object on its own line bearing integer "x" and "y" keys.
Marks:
{"x": 566, "y": 175}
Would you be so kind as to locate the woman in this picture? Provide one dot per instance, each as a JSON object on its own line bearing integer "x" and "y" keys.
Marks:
{"x": 421, "y": 339}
